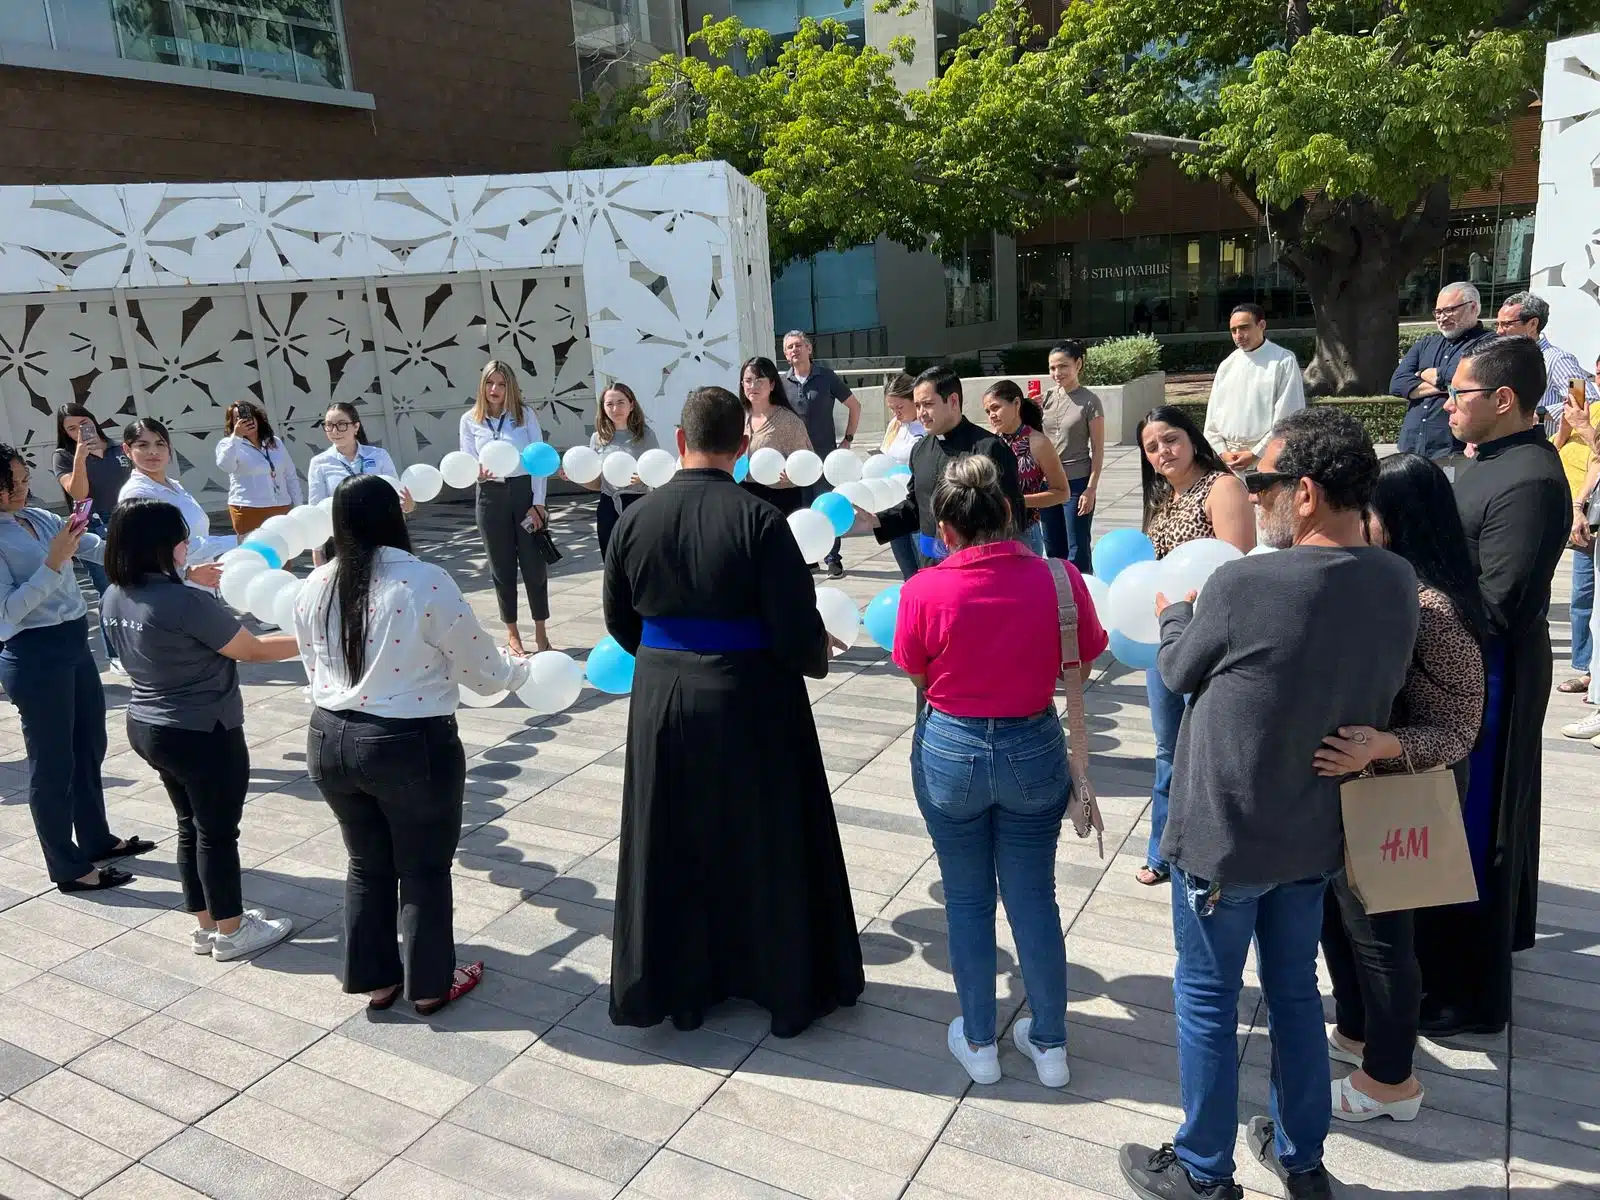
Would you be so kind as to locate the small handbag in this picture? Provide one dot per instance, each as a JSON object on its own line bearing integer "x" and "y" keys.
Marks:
{"x": 1085, "y": 808}
{"x": 545, "y": 546}
{"x": 1591, "y": 510}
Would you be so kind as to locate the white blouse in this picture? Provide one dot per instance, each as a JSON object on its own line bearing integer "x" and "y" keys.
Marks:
{"x": 328, "y": 470}
{"x": 423, "y": 643}
{"x": 202, "y": 546}
{"x": 475, "y": 435}
{"x": 905, "y": 437}
{"x": 258, "y": 478}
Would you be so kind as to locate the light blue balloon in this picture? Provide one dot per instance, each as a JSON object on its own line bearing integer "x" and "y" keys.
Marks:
{"x": 741, "y": 468}
{"x": 610, "y": 667}
{"x": 268, "y": 554}
{"x": 1120, "y": 549}
{"x": 882, "y": 612}
{"x": 897, "y": 469}
{"x": 840, "y": 512}
{"x": 1131, "y": 653}
{"x": 540, "y": 460}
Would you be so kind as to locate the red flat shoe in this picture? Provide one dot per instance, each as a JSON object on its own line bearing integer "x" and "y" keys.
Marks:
{"x": 466, "y": 978}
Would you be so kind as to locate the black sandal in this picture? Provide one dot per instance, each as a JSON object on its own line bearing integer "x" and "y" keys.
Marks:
{"x": 110, "y": 877}
{"x": 1156, "y": 877}
{"x": 132, "y": 846}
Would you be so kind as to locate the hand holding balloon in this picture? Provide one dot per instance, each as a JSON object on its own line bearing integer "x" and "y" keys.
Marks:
{"x": 1162, "y": 603}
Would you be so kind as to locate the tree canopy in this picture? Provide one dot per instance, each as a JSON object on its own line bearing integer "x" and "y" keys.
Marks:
{"x": 1351, "y": 123}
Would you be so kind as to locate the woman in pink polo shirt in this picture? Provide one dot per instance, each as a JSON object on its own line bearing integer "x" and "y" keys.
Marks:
{"x": 980, "y": 634}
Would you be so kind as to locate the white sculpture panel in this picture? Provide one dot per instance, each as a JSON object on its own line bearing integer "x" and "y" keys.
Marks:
{"x": 174, "y": 300}
{"x": 1566, "y": 238}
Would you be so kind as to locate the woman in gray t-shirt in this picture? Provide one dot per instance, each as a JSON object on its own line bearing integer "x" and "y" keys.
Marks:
{"x": 619, "y": 427}
{"x": 1075, "y": 423}
{"x": 185, "y": 717}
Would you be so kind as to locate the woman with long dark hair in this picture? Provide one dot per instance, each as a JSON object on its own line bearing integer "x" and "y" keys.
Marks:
{"x": 49, "y": 675}
{"x": 1017, "y": 421}
{"x": 89, "y": 467}
{"x": 1188, "y": 494}
{"x": 387, "y": 639}
{"x": 185, "y": 716}
{"x": 1373, "y": 958}
{"x": 772, "y": 423}
{"x": 262, "y": 481}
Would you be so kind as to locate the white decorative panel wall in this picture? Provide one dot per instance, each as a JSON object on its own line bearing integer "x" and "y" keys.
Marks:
{"x": 1566, "y": 238}
{"x": 173, "y": 300}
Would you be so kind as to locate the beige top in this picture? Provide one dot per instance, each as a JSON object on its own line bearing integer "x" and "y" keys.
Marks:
{"x": 783, "y": 430}
{"x": 1066, "y": 424}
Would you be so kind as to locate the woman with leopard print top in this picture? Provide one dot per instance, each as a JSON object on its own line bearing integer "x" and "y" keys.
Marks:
{"x": 1379, "y": 962}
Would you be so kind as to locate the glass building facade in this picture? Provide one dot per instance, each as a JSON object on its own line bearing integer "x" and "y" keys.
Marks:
{"x": 1188, "y": 283}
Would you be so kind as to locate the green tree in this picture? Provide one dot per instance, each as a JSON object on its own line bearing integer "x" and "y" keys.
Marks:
{"x": 1349, "y": 123}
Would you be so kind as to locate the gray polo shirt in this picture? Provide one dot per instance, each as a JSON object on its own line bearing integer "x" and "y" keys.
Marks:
{"x": 168, "y": 637}
{"x": 814, "y": 400}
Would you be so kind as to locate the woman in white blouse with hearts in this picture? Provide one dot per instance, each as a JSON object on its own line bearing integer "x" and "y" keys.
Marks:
{"x": 387, "y": 641}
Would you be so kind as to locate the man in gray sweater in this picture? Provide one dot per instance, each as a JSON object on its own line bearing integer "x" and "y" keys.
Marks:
{"x": 1282, "y": 650}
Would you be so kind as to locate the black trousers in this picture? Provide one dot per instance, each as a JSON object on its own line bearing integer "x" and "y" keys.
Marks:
{"x": 501, "y": 509}
{"x": 396, "y": 786}
{"x": 606, "y": 515}
{"x": 207, "y": 776}
{"x": 1377, "y": 986}
{"x": 49, "y": 674}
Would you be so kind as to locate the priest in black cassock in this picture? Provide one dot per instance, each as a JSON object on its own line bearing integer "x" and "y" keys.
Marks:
{"x": 1517, "y": 510}
{"x": 732, "y": 881}
{"x": 949, "y": 435}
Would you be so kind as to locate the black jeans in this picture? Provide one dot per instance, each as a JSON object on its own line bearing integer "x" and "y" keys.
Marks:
{"x": 1377, "y": 986}
{"x": 396, "y": 786}
{"x": 607, "y": 514}
{"x": 501, "y": 509}
{"x": 207, "y": 775}
{"x": 49, "y": 674}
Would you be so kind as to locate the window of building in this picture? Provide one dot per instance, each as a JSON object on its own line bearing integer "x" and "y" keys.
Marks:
{"x": 835, "y": 292}
{"x": 969, "y": 283}
{"x": 951, "y": 19}
{"x": 1044, "y": 291}
{"x": 618, "y": 40}
{"x": 288, "y": 41}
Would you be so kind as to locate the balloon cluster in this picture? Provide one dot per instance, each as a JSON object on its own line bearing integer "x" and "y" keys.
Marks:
{"x": 872, "y": 487}
{"x": 654, "y": 467}
{"x": 1127, "y": 578}
{"x": 843, "y": 620}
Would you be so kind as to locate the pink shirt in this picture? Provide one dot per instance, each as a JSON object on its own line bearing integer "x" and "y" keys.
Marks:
{"x": 981, "y": 627}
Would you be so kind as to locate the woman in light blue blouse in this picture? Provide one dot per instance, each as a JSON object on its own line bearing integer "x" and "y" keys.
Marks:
{"x": 348, "y": 455}
{"x": 48, "y": 672}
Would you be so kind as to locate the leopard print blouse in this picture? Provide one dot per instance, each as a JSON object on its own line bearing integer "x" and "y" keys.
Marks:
{"x": 1439, "y": 710}
{"x": 1183, "y": 517}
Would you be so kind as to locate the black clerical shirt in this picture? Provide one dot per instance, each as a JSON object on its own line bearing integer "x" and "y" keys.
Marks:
{"x": 928, "y": 459}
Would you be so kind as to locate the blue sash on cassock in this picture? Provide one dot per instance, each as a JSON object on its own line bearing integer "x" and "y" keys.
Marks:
{"x": 705, "y": 635}
{"x": 1483, "y": 766}
{"x": 932, "y": 548}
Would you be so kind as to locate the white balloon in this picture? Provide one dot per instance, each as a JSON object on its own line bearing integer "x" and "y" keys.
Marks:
{"x": 471, "y": 699}
{"x": 840, "y": 467}
{"x": 581, "y": 464}
{"x": 840, "y": 616}
{"x": 237, "y": 555}
{"x": 500, "y": 458}
{"x": 1133, "y": 601}
{"x": 1100, "y": 593}
{"x": 886, "y": 493}
{"x": 858, "y": 493}
{"x": 657, "y": 467}
{"x": 1262, "y": 548}
{"x": 619, "y": 468}
{"x": 288, "y": 529}
{"x": 272, "y": 542}
{"x": 459, "y": 469}
{"x": 261, "y": 593}
{"x": 236, "y": 577}
{"x": 813, "y": 533}
{"x": 423, "y": 481}
{"x": 766, "y": 464}
{"x": 1188, "y": 567}
{"x": 315, "y": 523}
{"x": 283, "y": 606}
{"x": 804, "y": 468}
{"x": 878, "y": 466}
{"x": 326, "y": 505}
{"x": 554, "y": 682}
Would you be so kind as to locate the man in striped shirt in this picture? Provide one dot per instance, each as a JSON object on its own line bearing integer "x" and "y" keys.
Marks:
{"x": 1526, "y": 315}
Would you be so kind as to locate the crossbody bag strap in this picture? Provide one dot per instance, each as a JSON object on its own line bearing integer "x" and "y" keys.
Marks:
{"x": 1085, "y": 807}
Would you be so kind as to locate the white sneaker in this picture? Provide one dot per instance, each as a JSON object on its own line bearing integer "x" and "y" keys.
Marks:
{"x": 255, "y": 933}
{"x": 983, "y": 1065}
{"x": 201, "y": 939}
{"x": 1051, "y": 1064}
{"x": 1585, "y": 729}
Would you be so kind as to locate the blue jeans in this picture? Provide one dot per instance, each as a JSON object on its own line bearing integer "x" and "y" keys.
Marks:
{"x": 992, "y": 793}
{"x": 1033, "y": 537}
{"x": 1066, "y": 533}
{"x": 97, "y": 576}
{"x": 1582, "y": 608}
{"x": 1166, "y": 712}
{"x": 1286, "y": 921}
{"x": 906, "y": 554}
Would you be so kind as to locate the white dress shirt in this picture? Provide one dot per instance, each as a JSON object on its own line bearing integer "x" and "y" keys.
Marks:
{"x": 475, "y": 435}
{"x": 202, "y": 546}
{"x": 328, "y": 470}
{"x": 906, "y": 436}
{"x": 1253, "y": 391}
{"x": 257, "y": 477}
{"x": 422, "y": 643}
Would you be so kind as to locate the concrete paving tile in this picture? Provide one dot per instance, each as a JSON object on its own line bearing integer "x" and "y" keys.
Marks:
{"x": 303, "y": 1146}
{"x": 43, "y": 915}
{"x": 139, "y": 1182}
{"x": 151, "y": 1081}
{"x": 842, "y": 1135}
{"x": 701, "y": 1048}
{"x": 218, "y": 1058}
{"x": 498, "y": 1169}
{"x": 113, "y": 1120}
{"x": 380, "y": 1124}
{"x": 19, "y": 1068}
{"x": 672, "y": 1176}
{"x": 625, "y": 1066}
{"x": 475, "y": 1060}
{"x": 123, "y": 979}
{"x": 887, "y": 1065}
{"x": 785, "y": 1164}
{"x": 954, "y": 1172}
{"x": 314, "y": 998}
{"x": 580, "y": 1095}
{"x": 38, "y": 949}
{"x": 919, "y": 1115}
{"x": 224, "y": 1171}
{"x": 43, "y": 1034}
{"x": 383, "y": 1074}
{"x": 85, "y": 1006}
{"x": 17, "y": 1184}
{"x": 55, "y": 1153}
{"x": 272, "y": 1033}
{"x": 403, "y": 1180}
{"x": 554, "y": 1134}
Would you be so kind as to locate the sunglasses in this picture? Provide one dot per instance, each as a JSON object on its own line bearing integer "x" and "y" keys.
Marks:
{"x": 1256, "y": 482}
